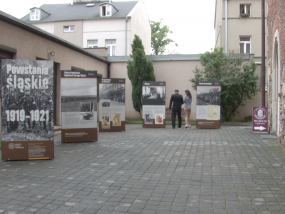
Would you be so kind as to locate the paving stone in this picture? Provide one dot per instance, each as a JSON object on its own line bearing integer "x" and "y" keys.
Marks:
{"x": 147, "y": 170}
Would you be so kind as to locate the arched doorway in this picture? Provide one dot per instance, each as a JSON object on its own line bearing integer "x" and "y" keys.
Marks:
{"x": 275, "y": 88}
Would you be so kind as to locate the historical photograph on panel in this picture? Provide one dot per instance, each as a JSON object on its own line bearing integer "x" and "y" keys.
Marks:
{"x": 27, "y": 100}
{"x": 74, "y": 91}
{"x": 112, "y": 95}
{"x": 148, "y": 118}
{"x": 105, "y": 121}
{"x": 116, "y": 120}
{"x": 105, "y": 103}
{"x": 87, "y": 110}
{"x": 213, "y": 112}
{"x": 153, "y": 95}
{"x": 158, "y": 118}
{"x": 208, "y": 95}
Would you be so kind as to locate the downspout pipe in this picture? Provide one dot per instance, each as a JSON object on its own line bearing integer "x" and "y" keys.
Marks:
{"x": 226, "y": 26}
{"x": 126, "y": 35}
{"x": 263, "y": 53}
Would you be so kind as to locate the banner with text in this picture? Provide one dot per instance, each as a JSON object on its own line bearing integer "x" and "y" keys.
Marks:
{"x": 208, "y": 104}
{"x": 78, "y": 106}
{"x": 27, "y": 109}
{"x": 111, "y": 104}
{"x": 153, "y": 104}
{"x": 260, "y": 120}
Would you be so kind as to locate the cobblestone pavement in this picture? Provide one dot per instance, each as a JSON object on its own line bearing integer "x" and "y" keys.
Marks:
{"x": 151, "y": 171}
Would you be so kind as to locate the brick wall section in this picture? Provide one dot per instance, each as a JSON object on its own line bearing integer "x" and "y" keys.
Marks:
{"x": 276, "y": 21}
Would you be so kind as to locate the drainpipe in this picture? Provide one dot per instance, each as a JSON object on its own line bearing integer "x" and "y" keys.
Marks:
{"x": 226, "y": 26}
{"x": 108, "y": 70}
{"x": 126, "y": 35}
{"x": 262, "y": 53}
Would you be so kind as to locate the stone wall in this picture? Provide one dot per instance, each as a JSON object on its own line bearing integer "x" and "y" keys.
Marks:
{"x": 276, "y": 32}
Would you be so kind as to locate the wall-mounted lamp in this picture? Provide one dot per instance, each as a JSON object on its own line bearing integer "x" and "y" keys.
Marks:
{"x": 52, "y": 53}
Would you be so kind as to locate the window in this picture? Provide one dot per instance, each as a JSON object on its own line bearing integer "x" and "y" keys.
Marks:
{"x": 92, "y": 43}
{"x": 245, "y": 10}
{"x": 106, "y": 10}
{"x": 111, "y": 47}
{"x": 244, "y": 44}
{"x": 35, "y": 14}
{"x": 68, "y": 28}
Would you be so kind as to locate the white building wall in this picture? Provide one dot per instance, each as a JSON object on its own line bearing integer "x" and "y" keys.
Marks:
{"x": 106, "y": 29}
{"x": 49, "y": 27}
{"x": 140, "y": 26}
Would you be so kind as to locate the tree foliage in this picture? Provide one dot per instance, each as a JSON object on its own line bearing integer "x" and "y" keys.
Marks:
{"x": 159, "y": 39}
{"x": 139, "y": 69}
{"x": 238, "y": 79}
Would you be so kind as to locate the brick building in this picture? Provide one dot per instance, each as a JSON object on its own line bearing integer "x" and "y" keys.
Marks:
{"x": 276, "y": 67}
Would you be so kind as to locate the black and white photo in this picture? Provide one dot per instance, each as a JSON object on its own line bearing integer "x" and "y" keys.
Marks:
{"x": 87, "y": 110}
{"x": 78, "y": 99}
{"x": 27, "y": 100}
{"x": 112, "y": 102}
{"x": 115, "y": 93}
{"x": 148, "y": 118}
{"x": 153, "y": 95}
{"x": 208, "y": 95}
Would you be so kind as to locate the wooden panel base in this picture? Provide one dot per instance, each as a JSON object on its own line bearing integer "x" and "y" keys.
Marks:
{"x": 79, "y": 135}
{"x": 208, "y": 124}
{"x": 27, "y": 150}
{"x": 153, "y": 125}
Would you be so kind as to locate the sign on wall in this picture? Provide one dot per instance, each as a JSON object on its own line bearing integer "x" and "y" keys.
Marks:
{"x": 153, "y": 104}
{"x": 111, "y": 104}
{"x": 79, "y": 106}
{"x": 27, "y": 109}
{"x": 260, "y": 120}
{"x": 208, "y": 104}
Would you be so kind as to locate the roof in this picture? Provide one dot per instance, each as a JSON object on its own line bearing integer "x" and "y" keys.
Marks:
{"x": 66, "y": 12}
{"x": 22, "y": 24}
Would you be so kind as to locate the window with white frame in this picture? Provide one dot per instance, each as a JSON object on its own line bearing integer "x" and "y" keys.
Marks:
{"x": 111, "y": 47}
{"x": 35, "y": 14}
{"x": 92, "y": 43}
{"x": 106, "y": 10}
{"x": 69, "y": 28}
{"x": 245, "y": 10}
{"x": 244, "y": 44}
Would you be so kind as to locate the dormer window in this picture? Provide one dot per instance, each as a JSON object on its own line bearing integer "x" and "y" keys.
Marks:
{"x": 35, "y": 14}
{"x": 106, "y": 10}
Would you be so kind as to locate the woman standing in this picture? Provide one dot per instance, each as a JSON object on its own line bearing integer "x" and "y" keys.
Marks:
{"x": 187, "y": 108}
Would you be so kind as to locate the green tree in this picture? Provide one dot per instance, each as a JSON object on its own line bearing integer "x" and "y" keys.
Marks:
{"x": 238, "y": 79}
{"x": 139, "y": 69}
{"x": 159, "y": 39}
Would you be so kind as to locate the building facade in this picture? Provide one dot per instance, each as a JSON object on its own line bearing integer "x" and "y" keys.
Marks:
{"x": 238, "y": 29}
{"x": 40, "y": 45}
{"x": 96, "y": 24}
{"x": 276, "y": 67}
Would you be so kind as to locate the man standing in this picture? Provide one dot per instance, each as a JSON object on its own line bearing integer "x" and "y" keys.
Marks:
{"x": 28, "y": 104}
{"x": 10, "y": 103}
{"x": 44, "y": 103}
{"x": 177, "y": 101}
